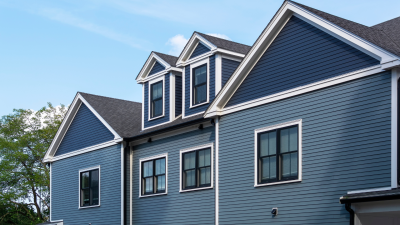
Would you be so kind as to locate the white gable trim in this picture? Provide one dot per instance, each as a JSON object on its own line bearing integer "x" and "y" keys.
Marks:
{"x": 191, "y": 46}
{"x": 288, "y": 9}
{"x": 69, "y": 117}
{"x": 149, "y": 65}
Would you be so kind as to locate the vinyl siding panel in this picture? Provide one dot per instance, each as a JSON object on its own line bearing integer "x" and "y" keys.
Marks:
{"x": 65, "y": 187}
{"x": 301, "y": 54}
{"x": 85, "y": 130}
{"x": 346, "y": 146}
{"x": 163, "y": 119}
{"x": 190, "y": 111}
{"x": 195, "y": 207}
{"x": 158, "y": 67}
{"x": 199, "y": 50}
{"x": 228, "y": 67}
{"x": 178, "y": 95}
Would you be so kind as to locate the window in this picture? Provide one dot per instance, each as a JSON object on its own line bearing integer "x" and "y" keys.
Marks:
{"x": 278, "y": 153}
{"x": 199, "y": 80}
{"x": 156, "y": 93}
{"x": 153, "y": 176}
{"x": 89, "y": 187}
{"x": 196, "y": 168}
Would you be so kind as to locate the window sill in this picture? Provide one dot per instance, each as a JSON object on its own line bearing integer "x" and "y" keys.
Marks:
{"x": 144, "y": 196}
{"x": 194, "y": 106}
{"x": 196, "y": 189}
{"x": 276, "y": 183}
{"x": 154, "y": 118}
{"x": 86, "y": 207}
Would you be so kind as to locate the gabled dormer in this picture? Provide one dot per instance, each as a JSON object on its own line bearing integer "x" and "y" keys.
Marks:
{"x": 162, "y": 88}
{"x": 207, "y": 62}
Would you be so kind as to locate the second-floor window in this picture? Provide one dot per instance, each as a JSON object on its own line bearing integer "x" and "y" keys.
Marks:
{"x": 156, "y": 96}
{"x": 153, "y": 176}
{"x": 196, "y": 169}
{"x": 199, "y": 84}
{"x": 89, "y": 188}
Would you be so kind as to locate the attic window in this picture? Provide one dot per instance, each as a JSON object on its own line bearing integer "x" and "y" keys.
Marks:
{"x": 156, "y": 99}
{"x": 199, "y": 84}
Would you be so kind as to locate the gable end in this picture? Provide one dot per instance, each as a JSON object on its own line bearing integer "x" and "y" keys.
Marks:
{"x": 199, "y": 50}
{"x": 157, "y": 67}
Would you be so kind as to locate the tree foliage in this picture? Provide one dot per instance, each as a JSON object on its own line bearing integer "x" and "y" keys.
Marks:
{"x": 25, "y": 135}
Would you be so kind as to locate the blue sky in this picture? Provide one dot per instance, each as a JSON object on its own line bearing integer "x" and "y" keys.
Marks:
{"x": 49, "y": 50}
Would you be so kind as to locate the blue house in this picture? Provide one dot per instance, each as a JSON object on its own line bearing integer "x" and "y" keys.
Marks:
{"x": 300, "y": 128}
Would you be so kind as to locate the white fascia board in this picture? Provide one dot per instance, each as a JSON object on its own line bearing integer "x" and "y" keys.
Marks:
{"x": 73, "y": 109}
{"x": 159, "y": 74}
{"x": 189, "y": 48}
{"x": 269, "y": 34}
{"x": 149, "y": 65}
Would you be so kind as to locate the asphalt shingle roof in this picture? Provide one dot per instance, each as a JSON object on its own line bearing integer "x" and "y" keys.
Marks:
{"x": 171, "y": 60}
{"x": 123, "y": 116}
{"x": 226, "y": 44}
{"x": 372, "y": 34}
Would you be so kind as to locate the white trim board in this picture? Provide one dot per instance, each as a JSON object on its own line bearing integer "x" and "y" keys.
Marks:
{"x": 189, "y": 48}
{"x": 216, "y": 171}
{"x": 69, "y": 117}
{"x": 394, "y": 131}
{"x": 199, "y": 147}
{"x": 79, "y": 187}
{"x": 300, "y": 151}
{"x": 122, "y": 183}
{"x": 163, "y": 155}
{"x": 388, "y": 60}
{"x": 144, "y": 72}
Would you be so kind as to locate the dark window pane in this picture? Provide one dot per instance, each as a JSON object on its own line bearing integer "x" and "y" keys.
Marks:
{"x": 268, "y": 168}
{"x": 286, "y": 165}
{"x": 156, "y": 90}
{"x": 85, "y": 197}
{"x": 205, "y": 157}
{"x": 160, "y": 166}
{"x": 293, "y": 164}
{"x": 284, "y": 140}
{"x": 148, "y": 185}
{"x": 85, "y": 180}
{"x": 161, "y": 183}
{"x": 148, "y": 169}
{"x": 293, "y": 139}
{"x": 190, "y": 178}
{"x": 200, "y": 94}
{"x": 94, "y": 178}
{"x": 95, "y": 195}
{"x": 268, "y": 143}
{"x": 189, "y": 160}
{"x": 157, "y": 107}
{"x": 200, "y": 75}
{"x": 205, "y": 176}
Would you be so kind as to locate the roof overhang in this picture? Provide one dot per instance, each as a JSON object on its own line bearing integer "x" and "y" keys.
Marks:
{"x": 143, "y": 75}
{"x": 191, "y": 46}
{"x": 62, "y": 130}
{"x": 288, "y": 9}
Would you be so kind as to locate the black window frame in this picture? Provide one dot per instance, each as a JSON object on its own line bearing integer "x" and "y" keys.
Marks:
{"x": 278, "y": 154}
{"x": 154, "y": 176}
{"x": 81, "y": 190}
{"x": 152, "y": 100}
{"x": 194, "y": 103}
{"x": 197, "y": 170}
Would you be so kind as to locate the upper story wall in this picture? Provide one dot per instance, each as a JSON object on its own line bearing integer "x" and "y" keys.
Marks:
{"x": 346, "y": 145}
{"x": 228, "y": 67}
{"x": 85, "y": 130}
{"x": 301, "y": 54}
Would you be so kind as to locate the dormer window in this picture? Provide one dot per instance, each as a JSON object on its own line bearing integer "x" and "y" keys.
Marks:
{"x": 156, "y": 98}
{"x": 199, "y": 84}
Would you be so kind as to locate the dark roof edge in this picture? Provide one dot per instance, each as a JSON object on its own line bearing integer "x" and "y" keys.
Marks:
{"x": 371, "y": 198}
{"x": 166, "y": 129}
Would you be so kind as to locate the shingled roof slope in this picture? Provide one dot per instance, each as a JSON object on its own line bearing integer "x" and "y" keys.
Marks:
{"x": 371, "y": 34}
{"x": 226, "y": 44}
{"x": 123, "y": 116}
{"x": 171, "y": 60}
{"x": 391, "y": 28}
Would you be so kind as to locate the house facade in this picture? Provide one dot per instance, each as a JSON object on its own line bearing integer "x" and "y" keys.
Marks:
{"x": 300, "y": 128}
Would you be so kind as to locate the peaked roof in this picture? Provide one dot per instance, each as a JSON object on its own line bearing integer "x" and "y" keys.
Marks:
{"x": 122, "y": 115}
{"x": 226, "y": 44}
{"x": 375, "y": 34}
{"x": 391, "y": 28}
{"x": 170, "y": 59}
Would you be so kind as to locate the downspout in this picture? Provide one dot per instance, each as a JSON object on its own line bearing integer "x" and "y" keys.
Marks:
{"x": 351, "y": 211}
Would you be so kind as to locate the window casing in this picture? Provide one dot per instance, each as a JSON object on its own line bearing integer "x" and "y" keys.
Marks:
{"x": 156, "y": 99}
{"x": 89, "y": 190}
{"x": 153, "y": 176}
{"x": 278, "y": 154}
{"x": 197, "y": 169}
{"x": 199, "y": 85}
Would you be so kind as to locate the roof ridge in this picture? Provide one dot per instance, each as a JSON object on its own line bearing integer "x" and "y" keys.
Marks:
{"x": 164, "y": 54}
{"x": 222, "y": 39}
{"x": 80, "y": 92}
{"x": 374, "y": 26}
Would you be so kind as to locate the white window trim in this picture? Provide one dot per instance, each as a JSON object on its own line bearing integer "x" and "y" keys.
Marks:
{"x": 162, "y": 78}
{"x": 273, "y": 127}
{"x": 79, "y": 188}
{"x": 192, "y": 66}
{"x": 209, "y": 145}
{"x": 166, "y": 174}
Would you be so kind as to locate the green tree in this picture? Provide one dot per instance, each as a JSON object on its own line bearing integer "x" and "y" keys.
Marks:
{"x": 25, "y": 135}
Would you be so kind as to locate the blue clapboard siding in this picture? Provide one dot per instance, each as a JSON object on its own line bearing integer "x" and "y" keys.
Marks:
{"x": 346, "y": 146}
{"x": 194, "y": 207}
{"x": 158, "y": 67}
{"x": 301, "y": 54}
{"x": 199, "y": 50}
{"x": 163, "y": 119}
{"x": 202, "y": 108}
{"x": 228, "y": 67}
{"x": 85, "y": 130}
{"x": 178, "y": 95}
{"x": 65, "y": 187}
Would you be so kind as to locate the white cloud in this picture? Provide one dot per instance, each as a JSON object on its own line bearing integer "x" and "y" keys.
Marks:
{"x": 223, "y": 36}
{"x": 177, "y": 42}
